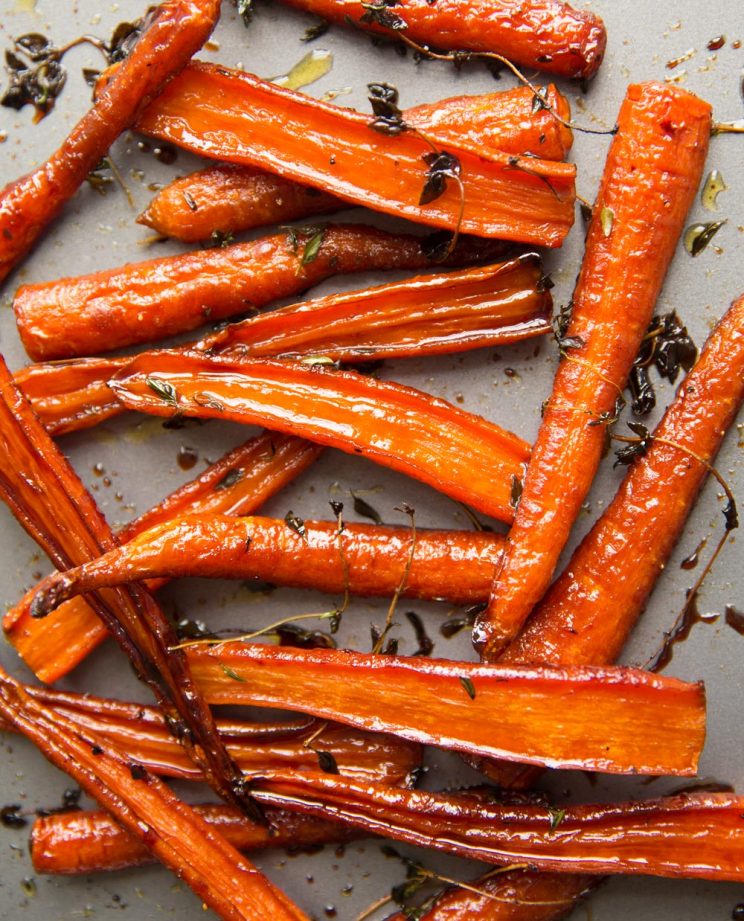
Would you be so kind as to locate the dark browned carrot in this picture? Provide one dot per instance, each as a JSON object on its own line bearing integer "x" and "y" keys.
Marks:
{"x": 458, "y": 453}
{"x": 542, "y": 34}
{"x": 176, "y": 31}
{"x": 162, "y": 297}
{"x": 237, "y": 484}
{"x": 232, "y": 198}
{"x": 650, "y": 178}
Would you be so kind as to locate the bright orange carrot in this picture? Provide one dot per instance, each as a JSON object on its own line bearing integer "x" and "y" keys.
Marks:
{"x": 542, "y": 34}
{"x": 651, "y": 175}
{"x": 457, "y": 452}
{"x": 162, "y": 297}
{"x": 177, "y": 30}
{"x": 237, "y": 484}
{"x": 239, "y": 118}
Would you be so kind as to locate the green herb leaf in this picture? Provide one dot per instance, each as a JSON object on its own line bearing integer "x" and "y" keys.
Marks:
{"x": 312, "y": 247}
{"x": 313, "y": 32}
{"x": 296, "y": 523}
{"x": 363, "y": 508}
{"x": 326, "y": 762}
{"x": 556, "y": 817}
{"x": 230, "y": 479}
{"x": 698, "y": 236}
{"x": 231, "y": 673}
{"x": 221, "y": 238}
{"x": 606, "y": 220}
{"x": 245, "y": 10}
{"x": 469, "y": 687}
{"x": 383, "y": 98}
{"x": 442, "y": 167}
{"x": 167, "y": 392}
{"x": 379, "y": 14}
{"x": 516, "y": 491}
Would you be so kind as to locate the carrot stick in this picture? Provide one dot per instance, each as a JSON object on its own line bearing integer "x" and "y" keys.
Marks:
{"x": 609, "y": 717}
{"x": 177, "y": 30}
{"x": 650, "y": 178}
{"x": 457, "y": 452}
{"x": 428, "y": 315}
{"x": 78, "y": 843}
{"x": 363, "y": 559}
{"x": 162, "y": 297}
{"x": 237, "y": 484}
{"x": 170, "y": 829}
{"x": 541, "y": 34}
{"x": 237, "y": 117}
{"x": 50, "y": 502}
{"x": 233, "y": 198}
{"x": 142, "y": 733}
{"x": 698, "y": 837}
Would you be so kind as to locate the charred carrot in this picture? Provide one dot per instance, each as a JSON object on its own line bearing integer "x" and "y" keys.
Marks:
{"x": 234, "y": 116}
{"x": 652, "y": 171}
{"x": 176, "y": 31}
{"x": 428, "y": 315}
{"x": 170, "y": 829}
{"x": 542, "y": 34}
{"x": 363, "y": 559}
{"x": 237, "y": 484}
{"x": 78, "y": 843}
{"x": 162, "y": 297}
{"x": 232, "y": 198}
{"x": 458, "y": 453}
{"x": 142, "y": 733}
{"x": 570, "y": 717}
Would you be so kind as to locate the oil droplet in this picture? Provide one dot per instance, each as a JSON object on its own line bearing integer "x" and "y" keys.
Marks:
{"x": 28, "y": 884}
{"x": 675, "y": 62}
{"x": 712, "y": 188}
{"x": 716, "y": 43}
{"x": 26, "y": 6}
{"x": 734, "y": 619}
{"x": 698, "y": 236}
{"x": 309, "y": 69}
{"x": 691, "y": 561}
{"x": 99, "y": 469}
{"x": 165, "y": 153}
{"x": 186, "y": 457}
{"x": 330, "y": 911}
{"x": 738, "y": 913}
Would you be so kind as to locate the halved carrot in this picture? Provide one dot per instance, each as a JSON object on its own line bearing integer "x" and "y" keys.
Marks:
{"x": 237, "y": 117}
{"x": 542, "y": 34}
{"x": 650, "y": 178}
{"x": 176, "y": 31}
{"x": 162, "y": 297}
{"x": 233, "y": 198}
{"x": 458, "y": 453}
{"x": 236, "y": 484}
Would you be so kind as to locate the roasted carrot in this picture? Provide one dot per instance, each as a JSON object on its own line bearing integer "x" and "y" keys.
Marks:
{"x": 176, "y": 31}
{"x": 458, "y": 453}
{"x": 141, "y": 732}
{"x": 699, "y": 837}
{"x": 50, "y": 502}
{"x": 542, "y": 34}
{"x": 553, "y": 717}
{"x": 363, "y": 559}
{"x": 162, "y": 297}
{"x": 143, "y": 804}
{"x": 78, "y": 843}
{"x": 652, "y": 172}
{"x": 237, "y": 484}
{"x": 234, "y": 116}
{"x": 232, "y": 198}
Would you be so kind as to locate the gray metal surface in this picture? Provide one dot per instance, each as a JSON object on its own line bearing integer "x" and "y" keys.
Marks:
{"x": 139, "y": 457}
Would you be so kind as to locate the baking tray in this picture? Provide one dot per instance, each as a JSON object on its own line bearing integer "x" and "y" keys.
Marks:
{"x": 139, "y": 456}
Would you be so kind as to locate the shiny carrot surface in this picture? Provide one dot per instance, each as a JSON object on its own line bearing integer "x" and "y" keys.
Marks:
{"x": 161, "y": 297}
{"x": 697, "y": 837}
{"x": 177, "y": 30}
{"x": 541, "y": 34}
{"x": 237, "y": 484}
{"x": 456, "y": 452}
{"x": 234, "y": 116}
{"x": 364, "y": 559}
{"x": 79, "y": 843}
{"x": 233, "y": 198}
{"x": 651, "y": 175}
{"x": 616, "y": 719}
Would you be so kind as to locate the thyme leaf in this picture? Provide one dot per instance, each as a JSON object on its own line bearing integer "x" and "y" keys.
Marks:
{"x": 469, "y": 687}
{"x": 167, "y": 392}
{"x": 231, "y": 673}
{"x": 556, "y": 817}
{"x": 363, "y": 508}
{"x": 233, "y": 476}
{"x": 326, "y": 762}
{"x": 425, "y": 644}
{"x": 442, "y": 166}
{"x": 379, "y": 14}
{"x": 383, "y": 98}
{"x": 296, "y": 523}
{"x": 313, "y": 32}
{"x": 312, "y": 247}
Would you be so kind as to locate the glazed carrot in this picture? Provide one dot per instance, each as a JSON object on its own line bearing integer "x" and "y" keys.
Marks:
{"x": 237, "y": 484}
{"x": 698, "y": 837}
{"x": 542, "y": 34}
{"x": 232, "y": 198}
{"x": 142, "y": 733}
{"x": 176, "y": 31}
{"x": 144, "y": 805}
{"x": 364, "y": 559}
{"x": 237, "y": 117}
{"x": 162, "y": 297}
{"x": 427, "y": 315}
{"x": 615, "y": 718}
{"x": 50, "y": 502}
{"x": 650, "y": 178}
{"x": 78, "y": 843}
{"x": 457, "y": 452}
